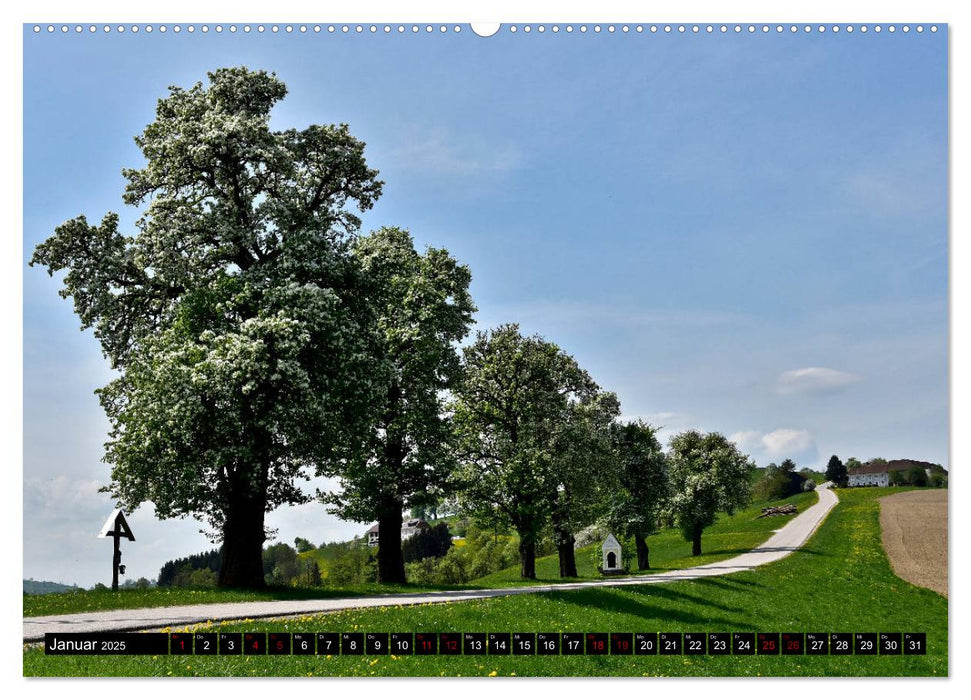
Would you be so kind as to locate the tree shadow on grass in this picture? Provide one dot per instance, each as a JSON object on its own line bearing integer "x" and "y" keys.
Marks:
{"x": 606, "y": 600}
{"x": 655, "y": 591}
{"x": 732, "y": 584}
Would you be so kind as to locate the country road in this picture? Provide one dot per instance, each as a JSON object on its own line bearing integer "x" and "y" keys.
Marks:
{"x": 786, "y": 540}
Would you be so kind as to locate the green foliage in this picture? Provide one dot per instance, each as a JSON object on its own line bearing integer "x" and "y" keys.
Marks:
{"x": 585, "y": 463}
{"x": 510, "y": 410}
{"x": 422, "y": 308}
{"x": 302, "y": 545}
{"x": 483, "y": 554}
{"x": 780, "y": 481}
{"x": 210, "y": 560}
{"x": 431, "y": 543}
{"x": 195, "y": 578}
{"x": 357, "y": 564}
{"x": 280, "y": 564}
{"x": 916, "y": 476}
{"x": 708, "y": 475}
{"x": 729, "y": 536}
{"x": 644, "y": 484}
{"x": 236, "y": 291}
{"x": 309, "y": 576}
{"x": 836, "y": 471}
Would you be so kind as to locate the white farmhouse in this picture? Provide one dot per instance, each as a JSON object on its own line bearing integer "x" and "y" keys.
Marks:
{"x": 409, "y": 528}
{"x": 878, "y": 474}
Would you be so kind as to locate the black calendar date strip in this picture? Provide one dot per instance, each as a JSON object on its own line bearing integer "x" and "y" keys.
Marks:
{"x": 489, "y": 643}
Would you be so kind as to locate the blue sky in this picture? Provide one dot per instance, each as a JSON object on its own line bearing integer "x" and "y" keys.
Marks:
{"x": 737, "y": 233}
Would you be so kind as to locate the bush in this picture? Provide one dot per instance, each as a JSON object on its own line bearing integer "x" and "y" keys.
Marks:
{"x": 433, "y": 542}
{"x": 916, "y": 477}
{"x": 211, "y": 560}
{"x": 309, "y": 576}
{"x": 357, "y": 564}
{"x": 303, "y": 545}
{"x": 280, "y": 564}
{"x": 483, "y": 554}
{"x": 778, "y": 482}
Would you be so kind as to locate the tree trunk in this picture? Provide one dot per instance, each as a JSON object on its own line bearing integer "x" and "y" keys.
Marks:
{"x": 643, "y": 553}
{"x": 696, "y": 541}
{"x": 391, "y": 563}
{"x": 565, "y": 543}
{"x": 527, "y": 555}
{"x": 242, "y": 550}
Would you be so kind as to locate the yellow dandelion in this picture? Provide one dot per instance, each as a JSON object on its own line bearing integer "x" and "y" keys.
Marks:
{"x": 493, "y": 673}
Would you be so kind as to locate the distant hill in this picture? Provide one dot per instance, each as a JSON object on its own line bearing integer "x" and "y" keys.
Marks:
{"x": 40, "y": 587}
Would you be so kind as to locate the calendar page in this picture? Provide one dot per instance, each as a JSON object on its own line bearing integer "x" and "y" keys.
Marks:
{"x": 485, "y": 350}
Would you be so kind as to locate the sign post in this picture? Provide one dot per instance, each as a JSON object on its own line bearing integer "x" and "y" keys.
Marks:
{"x": 116, "y": 527}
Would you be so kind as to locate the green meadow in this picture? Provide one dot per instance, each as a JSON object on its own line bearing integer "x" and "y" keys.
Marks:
{"x": 839, "y": 582}
{"x": 729, "y": 536}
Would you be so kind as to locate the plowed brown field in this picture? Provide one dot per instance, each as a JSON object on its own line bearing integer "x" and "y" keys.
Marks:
{"x": 914, "y": 526}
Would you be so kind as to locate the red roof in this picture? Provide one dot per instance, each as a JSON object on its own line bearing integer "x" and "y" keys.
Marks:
{"x": 894, "y": 465}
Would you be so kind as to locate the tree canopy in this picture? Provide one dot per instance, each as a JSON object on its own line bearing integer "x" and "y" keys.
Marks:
{"x": 643, "y": 488}
{"x": 584, "y": 463}
{"x": 422, "y": 307}
{"x": 708, "y": 475}
{"x": 515, "y": 395}
{"x": 836, "y": 471}
{"x": 231, "y": 313}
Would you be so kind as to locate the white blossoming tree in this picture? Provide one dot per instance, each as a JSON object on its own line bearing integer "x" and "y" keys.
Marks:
{"x": 511, "y": 408}
{"x": 232, "y": 314}
{"x": 423, "y": 308}
{"x": 708, "y": 475}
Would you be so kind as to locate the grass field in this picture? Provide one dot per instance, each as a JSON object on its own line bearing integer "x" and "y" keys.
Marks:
{"x": 91, "y": 601}
{"x": 729, "y": 536}
{"x": 840, "y": 582}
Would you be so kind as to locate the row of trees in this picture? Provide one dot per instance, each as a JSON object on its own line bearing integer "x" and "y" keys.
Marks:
{"x": 259, "y": 340}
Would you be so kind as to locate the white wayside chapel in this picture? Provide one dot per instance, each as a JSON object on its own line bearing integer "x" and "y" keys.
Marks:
{"x": 611, "y": 556}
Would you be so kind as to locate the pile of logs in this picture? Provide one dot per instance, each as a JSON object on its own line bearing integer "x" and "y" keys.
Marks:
{"x": 787, "y": 509}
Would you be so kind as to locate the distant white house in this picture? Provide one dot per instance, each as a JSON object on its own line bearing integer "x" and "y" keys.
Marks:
{"x": 409, "y": 528}
{"x": 878, "y": 474}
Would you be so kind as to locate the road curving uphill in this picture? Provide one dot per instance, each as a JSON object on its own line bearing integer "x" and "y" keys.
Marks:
{"x": 783, "y": 542}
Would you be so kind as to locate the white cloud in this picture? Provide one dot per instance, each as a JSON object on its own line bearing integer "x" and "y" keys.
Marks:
{"x": 747, "y": 440}
{"x": 799, "y": 445}
{"x": 62, "y": 497}
{"x": 787, "y": 442}
{"x": 814, "y": 380}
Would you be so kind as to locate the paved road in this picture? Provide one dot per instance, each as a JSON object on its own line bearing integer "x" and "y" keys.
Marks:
{"x": 786, "y": 540}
